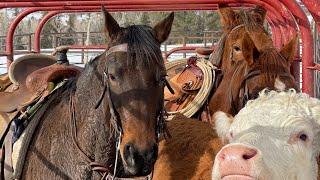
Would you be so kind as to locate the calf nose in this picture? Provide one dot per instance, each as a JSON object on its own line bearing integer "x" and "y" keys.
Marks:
{"x": 236, "y": 159}
{"x": 237, "y": 153}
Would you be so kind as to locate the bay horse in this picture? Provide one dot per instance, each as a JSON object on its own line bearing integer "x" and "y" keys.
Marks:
{"x": 249, "y": 63}
{"x": 248, "y": 60}
{"x": 109, "y": 119}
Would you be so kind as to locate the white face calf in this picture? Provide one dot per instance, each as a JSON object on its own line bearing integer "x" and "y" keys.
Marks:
{"x": 275, "y": 137}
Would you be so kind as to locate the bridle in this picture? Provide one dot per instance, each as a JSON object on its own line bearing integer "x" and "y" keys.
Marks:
{"x": 243, "y": 93}
{"x": 115, "y": 119}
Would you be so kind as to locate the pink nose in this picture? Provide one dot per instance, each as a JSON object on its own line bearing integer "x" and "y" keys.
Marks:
{"x": 236, "y": 160}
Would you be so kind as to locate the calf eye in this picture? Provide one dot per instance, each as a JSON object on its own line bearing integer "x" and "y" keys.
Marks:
{"x": 303, "y": 137}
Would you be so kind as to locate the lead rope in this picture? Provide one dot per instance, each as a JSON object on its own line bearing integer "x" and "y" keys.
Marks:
{"x": 117, "y": 154}
{"x": 94, "y": 166}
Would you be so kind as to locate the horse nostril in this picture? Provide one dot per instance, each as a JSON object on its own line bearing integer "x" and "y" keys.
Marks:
{"x": 146, "y": 170}
{"x": 129, "y": 149}
{"x": 152, "y": 154}
{"x": 155, "y": 149}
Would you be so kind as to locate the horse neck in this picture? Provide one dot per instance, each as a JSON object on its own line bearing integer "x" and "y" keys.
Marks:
{"x": 94, "y": 132}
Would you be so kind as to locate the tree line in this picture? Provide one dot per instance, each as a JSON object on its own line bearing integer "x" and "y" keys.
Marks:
{"x": 187, "y": 23}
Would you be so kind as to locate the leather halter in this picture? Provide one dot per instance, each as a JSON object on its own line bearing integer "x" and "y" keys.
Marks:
{"x": 243, "y": 93}
{"x": 115, "y": 120}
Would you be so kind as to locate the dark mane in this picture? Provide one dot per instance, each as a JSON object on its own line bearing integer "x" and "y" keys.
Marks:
{"x": 272, "y": 63}
{"x": 143, "y": 49}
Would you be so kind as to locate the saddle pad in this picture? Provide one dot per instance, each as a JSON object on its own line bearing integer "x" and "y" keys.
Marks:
{"x": 20, "y": 147}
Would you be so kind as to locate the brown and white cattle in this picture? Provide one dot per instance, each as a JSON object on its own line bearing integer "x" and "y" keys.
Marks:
{"x": 275, "y": 137}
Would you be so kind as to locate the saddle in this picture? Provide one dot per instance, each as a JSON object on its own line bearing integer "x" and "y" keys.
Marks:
{"x": 185, "y": 84}
{"x": 34, "y": 76}
{"x": 204, "y": 52}
{"x": 4, "y": 82}
{"x": 37, "y": 86}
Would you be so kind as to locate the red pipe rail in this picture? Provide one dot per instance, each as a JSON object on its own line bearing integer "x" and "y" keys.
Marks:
{"x": 45, "y": 19}
{"x": 149, "y": 5}
{"x": 275, "y": 29}
{"x": 299, "y": 16}
{"x": 307, "y": 45}
{"x": 313, "y": 7}
{"x": 181, "y": 50}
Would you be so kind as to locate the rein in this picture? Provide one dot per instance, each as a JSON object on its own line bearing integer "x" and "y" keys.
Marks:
{"x": 115, "y": 120}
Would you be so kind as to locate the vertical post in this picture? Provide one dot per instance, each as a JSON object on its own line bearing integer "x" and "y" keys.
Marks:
{"x": 82, "y": 42}
{"x": 165, "y": 47}
{"x": 54, "y": 40}
{"x": 29, "y": 42}
{"x": 184, "y": 45}
{"x": 205, "y": 38}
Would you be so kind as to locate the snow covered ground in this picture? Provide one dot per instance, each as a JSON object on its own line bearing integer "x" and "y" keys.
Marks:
{"x": 75, "y": 57}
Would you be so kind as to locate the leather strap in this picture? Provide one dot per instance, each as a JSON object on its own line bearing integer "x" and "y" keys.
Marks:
{"x": 117, "y": 48}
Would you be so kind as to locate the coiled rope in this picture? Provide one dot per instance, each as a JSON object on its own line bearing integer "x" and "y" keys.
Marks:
{"x": 208, "y": 71}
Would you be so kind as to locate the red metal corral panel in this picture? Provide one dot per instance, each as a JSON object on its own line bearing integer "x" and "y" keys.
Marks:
{"x": 273, "y": 6}
{"x": 307, "y": 45}
{"x": 314, "y": 8}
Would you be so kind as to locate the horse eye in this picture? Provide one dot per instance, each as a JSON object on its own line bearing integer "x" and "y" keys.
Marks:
{"x": 111, "y": 77}
{"x": 303, "y": 137}
{"x": 236, "y": 48}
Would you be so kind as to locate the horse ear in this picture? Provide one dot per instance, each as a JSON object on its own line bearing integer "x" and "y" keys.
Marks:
{"x": 259, "y": 37}
{"x": 227, "y": 16}
{"x": 163, "y": 28}
{"x": 248, "y": 49}
{"x": 111, "y": 27}
{"x": 289, "y": 50}
{"x": 259, "y": 14}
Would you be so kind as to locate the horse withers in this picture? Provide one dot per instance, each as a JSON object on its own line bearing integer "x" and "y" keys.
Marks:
{"x": 107, "y": 121}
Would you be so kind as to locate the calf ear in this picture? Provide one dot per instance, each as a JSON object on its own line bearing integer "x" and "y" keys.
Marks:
{"x": 163, "y": 28}
{"x": 223, "y": 122}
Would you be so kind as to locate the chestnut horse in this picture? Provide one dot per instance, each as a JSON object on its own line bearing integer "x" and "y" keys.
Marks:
{"x": 248, "y": 60}
{"x": 117, "y": 99}
{"x": 249, "y": 63}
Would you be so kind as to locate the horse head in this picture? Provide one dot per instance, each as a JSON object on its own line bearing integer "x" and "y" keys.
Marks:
{"x": 134, "y": 82}
{"x": 248, "y": 59}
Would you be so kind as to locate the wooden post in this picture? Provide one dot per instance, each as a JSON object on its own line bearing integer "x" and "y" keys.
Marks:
{"x": 29, "y": 42}
{"x": 184, "y": 45}
{"x": 205, "y": 39}
{"x": 82, "y": 51}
